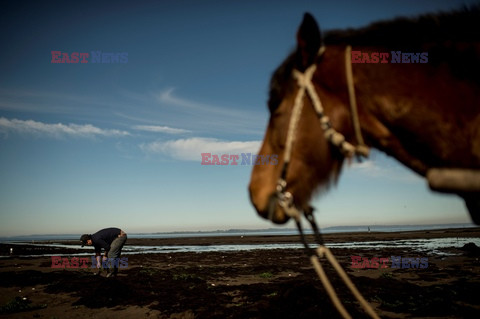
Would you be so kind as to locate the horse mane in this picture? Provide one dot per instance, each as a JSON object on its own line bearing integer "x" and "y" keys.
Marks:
{"x": 448, "y": 37}
{"x": 456, "y": 26}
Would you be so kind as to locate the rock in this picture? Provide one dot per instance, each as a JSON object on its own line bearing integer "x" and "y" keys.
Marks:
{"x": 471, "y": 249}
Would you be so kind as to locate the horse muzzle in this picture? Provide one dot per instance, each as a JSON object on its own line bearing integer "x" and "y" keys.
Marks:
{"x": 268, "y": 202}
{"x": 275, "y": 213}
{"x": 269, "y": 208}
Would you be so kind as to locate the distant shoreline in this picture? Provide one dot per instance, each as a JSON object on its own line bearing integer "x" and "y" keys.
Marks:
{"x": 295, "y": 238}
{"x": 249, "y": 232}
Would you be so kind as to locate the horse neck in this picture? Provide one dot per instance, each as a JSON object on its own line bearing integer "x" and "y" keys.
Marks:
{"x": 420, "y": 114}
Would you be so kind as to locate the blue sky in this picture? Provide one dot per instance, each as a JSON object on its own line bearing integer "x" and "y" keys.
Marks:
{"x": 87, "y": 146}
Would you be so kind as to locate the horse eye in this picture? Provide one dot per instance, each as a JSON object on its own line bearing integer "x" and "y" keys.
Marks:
{"x": 273, "y": 101}
{"x": 272, "y": 106}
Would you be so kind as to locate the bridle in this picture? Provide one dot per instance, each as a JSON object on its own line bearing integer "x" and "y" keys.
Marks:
{"x": 304, "y": 82}
{"x": 285, "y": 199}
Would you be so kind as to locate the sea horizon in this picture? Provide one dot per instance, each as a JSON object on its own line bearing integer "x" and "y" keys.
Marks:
{"x": 248, "y": 232}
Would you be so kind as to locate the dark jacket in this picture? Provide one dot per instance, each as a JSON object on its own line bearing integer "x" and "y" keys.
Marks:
{"x": 103, "y": 238}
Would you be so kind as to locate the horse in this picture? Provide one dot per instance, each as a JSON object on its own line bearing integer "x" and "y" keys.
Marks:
{"x": 425, "y": 113}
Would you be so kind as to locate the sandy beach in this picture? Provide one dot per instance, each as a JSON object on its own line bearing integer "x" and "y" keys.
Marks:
{"x": 275, "y": 283}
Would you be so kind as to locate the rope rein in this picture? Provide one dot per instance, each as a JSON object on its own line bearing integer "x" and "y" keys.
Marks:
{"x": 361, "y": 148}
{"x": 322, "y": 251}
{"x": 285, "y": 198}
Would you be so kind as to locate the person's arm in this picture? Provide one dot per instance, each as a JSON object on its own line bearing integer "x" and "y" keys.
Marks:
{"x": 97, "y": 257}
{"x": 103, "y": 244}
{"x": 100, "y": 260}
{"x": 99, "y": 263}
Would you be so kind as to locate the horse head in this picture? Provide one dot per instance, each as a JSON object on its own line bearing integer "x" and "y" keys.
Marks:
{"x": 425, "y": 115}
{"x": 314, "y": 163}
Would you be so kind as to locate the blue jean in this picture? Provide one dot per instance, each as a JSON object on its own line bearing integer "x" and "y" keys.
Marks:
{"x": 115, "y": 251}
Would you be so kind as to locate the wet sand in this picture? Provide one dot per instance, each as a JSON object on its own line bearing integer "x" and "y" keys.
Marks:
{"x": 245, "y": 284}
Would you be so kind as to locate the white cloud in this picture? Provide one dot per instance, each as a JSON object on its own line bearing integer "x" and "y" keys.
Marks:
{"x": 166, "y": 96}
{"x": 55, "y": 130}
{"x": 367, "y": 166}
{"x": 194, "y": 107}
{"x": 384, "y": 167}
{"x": 160, "y": 129}
{"x": 211, "y": 118}
{"x": 190, "y": 149}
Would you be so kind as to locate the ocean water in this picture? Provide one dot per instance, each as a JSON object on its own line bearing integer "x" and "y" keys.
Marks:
{"x": 435, "y": 246}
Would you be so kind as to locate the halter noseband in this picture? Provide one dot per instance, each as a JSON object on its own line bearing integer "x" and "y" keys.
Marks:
{"x": 304, "y": 82}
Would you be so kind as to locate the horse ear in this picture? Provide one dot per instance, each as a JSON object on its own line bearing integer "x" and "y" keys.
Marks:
{"x": 308, "y": 42}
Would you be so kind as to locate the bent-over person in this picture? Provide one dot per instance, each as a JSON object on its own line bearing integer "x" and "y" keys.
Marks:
{"x": 112, "y": 241}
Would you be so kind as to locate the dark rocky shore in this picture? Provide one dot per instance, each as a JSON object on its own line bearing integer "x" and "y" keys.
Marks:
{"x": 245, "y": 284}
